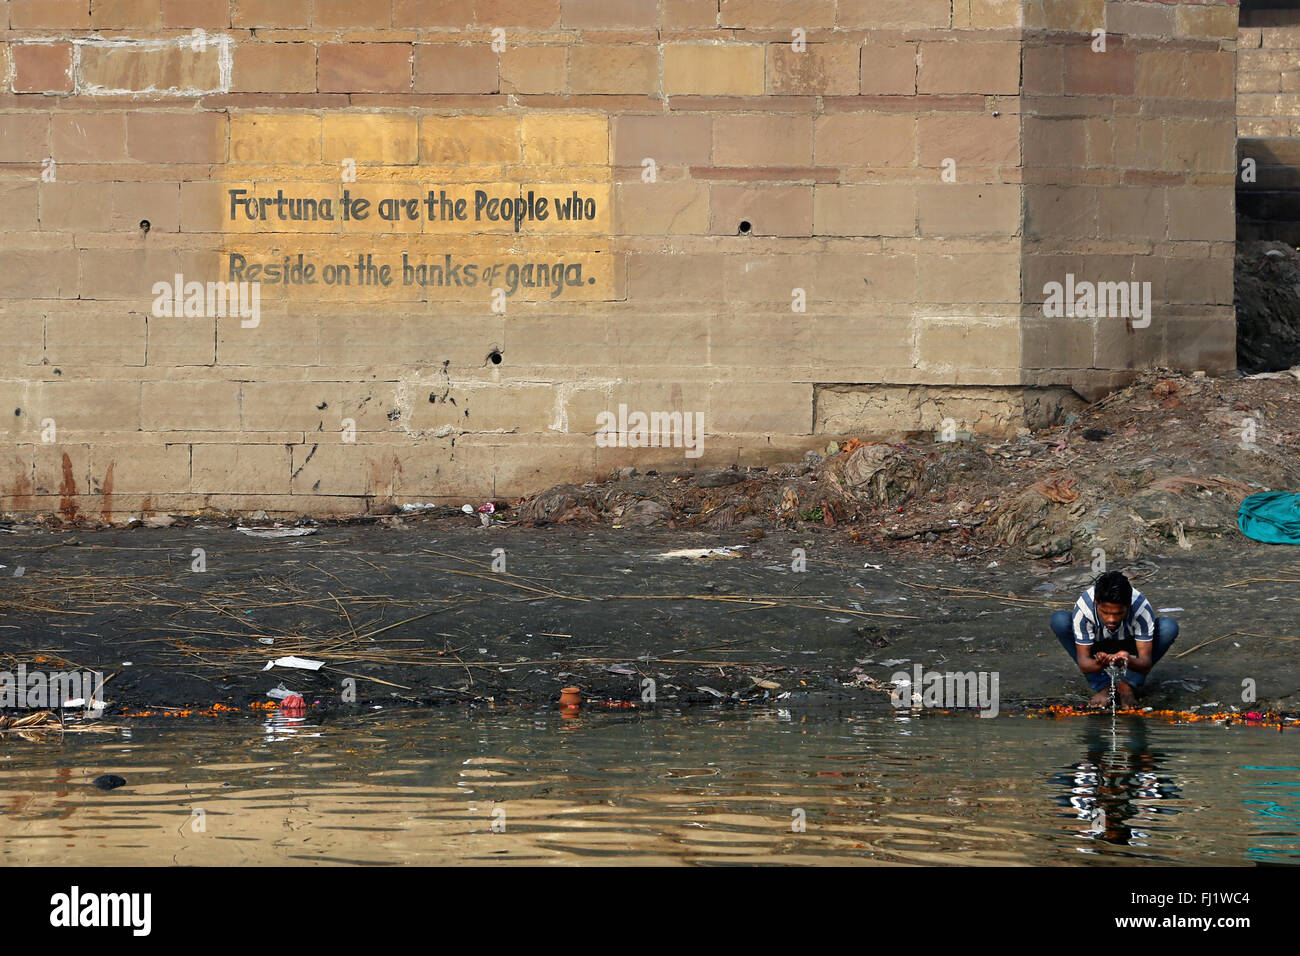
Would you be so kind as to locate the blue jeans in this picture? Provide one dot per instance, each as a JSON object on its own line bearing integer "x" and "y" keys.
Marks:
{"x": 1166, "y": 633}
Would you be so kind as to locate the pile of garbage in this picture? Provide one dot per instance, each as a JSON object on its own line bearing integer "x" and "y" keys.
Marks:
{"x": 1163, "y": 463}
{"x": 1267, "y": 297}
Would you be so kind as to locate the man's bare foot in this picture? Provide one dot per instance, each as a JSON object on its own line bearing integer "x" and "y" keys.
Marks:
{"x": 1127, "y": 699}
{"x": 1101, "y": 698}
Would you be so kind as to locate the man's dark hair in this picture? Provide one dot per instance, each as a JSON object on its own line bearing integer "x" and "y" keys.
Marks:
{"x": 1113, "y": 588}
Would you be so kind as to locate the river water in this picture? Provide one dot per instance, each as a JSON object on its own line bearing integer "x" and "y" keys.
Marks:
{"x": 699, "y": 787}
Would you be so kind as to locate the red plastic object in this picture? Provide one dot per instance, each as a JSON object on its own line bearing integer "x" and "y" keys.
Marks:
{"x": 293, "y": 706}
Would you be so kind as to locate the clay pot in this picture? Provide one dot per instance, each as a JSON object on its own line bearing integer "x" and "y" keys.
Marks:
{"x": 570, "y": 698}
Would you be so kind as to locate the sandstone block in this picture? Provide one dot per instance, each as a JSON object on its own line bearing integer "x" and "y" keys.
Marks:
{"x": 444, "y": 68}
{"x": 165, "y": 137}
{"x": 364, "y": 67}
{"x": 819, "y": 69}
{"x": 958, "y": 209}
{"x": 273, "y": 68}
{"x": 607, "y": 68}
{"x": 962, "y": 66}
{"x": 770, "y": 210}
{"x": 533, "y": 69}
{"x": 865, "y": 139}
{"x": 240, "y": 469}
{"x": 387, "y": 138}
{"x": 864, "y": 210}
{"x": 285, "y": 14}
{"x": 41, "y": 67}
{"x": 888, "y": 69}
{"x": 49, "y": 15}
{"x": 190, "y": 405}
{"x": 713, "y": 70}
{"x": 681, "y": 140}
{"x": 759, "y": 139}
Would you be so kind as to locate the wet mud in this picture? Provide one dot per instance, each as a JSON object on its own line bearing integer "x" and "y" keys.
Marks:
{"x": 418, "y": 616}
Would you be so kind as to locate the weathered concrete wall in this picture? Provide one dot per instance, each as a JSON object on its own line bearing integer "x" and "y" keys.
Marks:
{"x": 785, "y": 199}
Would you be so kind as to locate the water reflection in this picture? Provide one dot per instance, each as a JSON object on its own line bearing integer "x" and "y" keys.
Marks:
{"x": 1116, "y": 792}
{"x": 276, "y": 727}
{"x": 1275, "y": 816}
{"x": 775, "y": 786}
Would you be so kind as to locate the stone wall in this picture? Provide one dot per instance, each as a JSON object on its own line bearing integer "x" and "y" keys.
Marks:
{"x": 786, "y": 208}
{"x": 1268, "y": 72}
{"x": 1268, "y": 122}
{"x": 1128, "y": 163}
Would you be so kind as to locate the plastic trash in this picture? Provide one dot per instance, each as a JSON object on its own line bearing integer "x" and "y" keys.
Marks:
{"x": 731, "y": 551}
{"x": 93, "y": 707}
{"x": 293, "y": 706}
{"x": 276, "y": 532}
{"x": 281, "y": 692}
{"x": 301, "y": 663}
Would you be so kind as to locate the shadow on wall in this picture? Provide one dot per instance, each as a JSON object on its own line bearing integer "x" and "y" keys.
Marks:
{"x": 1269, "y": 13}
{"x": 1268, "y": 190}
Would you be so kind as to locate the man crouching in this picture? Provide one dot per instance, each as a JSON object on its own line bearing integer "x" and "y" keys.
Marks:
{"x": 1112, "y": 621}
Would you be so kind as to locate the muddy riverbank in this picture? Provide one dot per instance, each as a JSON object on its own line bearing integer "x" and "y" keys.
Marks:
{"x": 416, "y": 615}
{"x": 1164, "y": 463}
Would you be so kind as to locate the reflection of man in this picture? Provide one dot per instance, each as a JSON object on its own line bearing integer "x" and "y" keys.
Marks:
{"x": 1112, "y": 790}
{"x": 1113, "y": 622}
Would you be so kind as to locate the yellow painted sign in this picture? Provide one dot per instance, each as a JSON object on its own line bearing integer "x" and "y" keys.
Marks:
{"x": 434, "y": 208}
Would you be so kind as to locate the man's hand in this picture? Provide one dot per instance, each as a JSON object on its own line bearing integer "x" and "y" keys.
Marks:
{"x": 1120, "y": 657}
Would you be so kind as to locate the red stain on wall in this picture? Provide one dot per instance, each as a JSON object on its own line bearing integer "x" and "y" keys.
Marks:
{"x": 106, "y": 511}
{"x": 68, "y": 489}
{"x": 20, "y": 498}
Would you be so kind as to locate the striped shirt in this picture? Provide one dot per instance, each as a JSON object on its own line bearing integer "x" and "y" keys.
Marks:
{"x": 1139, "y": 623}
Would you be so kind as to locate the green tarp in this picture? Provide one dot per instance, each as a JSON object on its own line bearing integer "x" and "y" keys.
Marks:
{"x": 1273, "y": 517}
